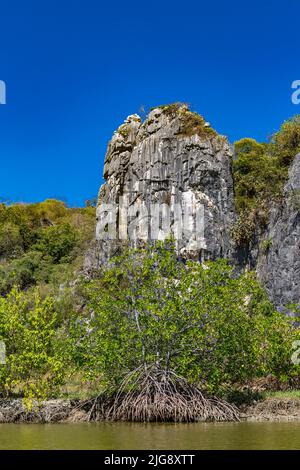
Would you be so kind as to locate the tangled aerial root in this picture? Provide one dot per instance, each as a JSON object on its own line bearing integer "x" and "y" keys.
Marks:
{"x": 149, "y": 394}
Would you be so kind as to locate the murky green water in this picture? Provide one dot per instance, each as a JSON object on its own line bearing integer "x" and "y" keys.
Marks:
{"x": 151, "y": 436}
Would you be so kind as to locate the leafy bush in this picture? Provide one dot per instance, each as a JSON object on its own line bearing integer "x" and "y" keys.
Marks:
{"x": 34, "y": 364}
{"x": 22, "y": 272}
{"x": 58, "y": 242}
{"x": 191, "y": 123}
{"x": 257, "y": 176}
{"x": 285, "y": 144}
{"x": 260, "y": 172}
{"x": 11, "y": 243}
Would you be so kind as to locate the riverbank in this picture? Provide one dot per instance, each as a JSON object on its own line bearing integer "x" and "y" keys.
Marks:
{"x": 71, "y": 411}
{"x": 272, "y": 409}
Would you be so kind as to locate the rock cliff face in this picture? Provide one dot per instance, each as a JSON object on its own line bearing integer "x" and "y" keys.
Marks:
{"x": 170, "y": 175}
{"x": 278, "y": 265}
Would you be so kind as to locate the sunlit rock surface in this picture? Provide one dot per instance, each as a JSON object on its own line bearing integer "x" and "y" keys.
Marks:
{"x": 170, "y": 175}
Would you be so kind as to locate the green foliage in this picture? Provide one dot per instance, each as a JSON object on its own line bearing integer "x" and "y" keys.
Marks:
{"x": 124, "y": 131}
{"x": 201, "y": 321}
{"x": 23, "y": 272}
{"x": 285, "y": 144}
{"x": 191, "y": 123}
{"x": 40, "y": 245}
{"x": 258, "y": 178}
{"x": 171, "y": 109}
{"x": 57, "y": 242}
{"x": 36, "y": 238}
{"x": 266, "y": 244}
{"x": 260, "y": 172}
{"x": 34, "y": 363}
{"x": 11, "y": 243}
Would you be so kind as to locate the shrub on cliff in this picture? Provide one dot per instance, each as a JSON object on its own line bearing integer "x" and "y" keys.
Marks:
{"x": 285, "y": 143}
{"x": 258, "y": 178}
{"x": 260, "y": 172}
{"x": 191, "y": 123}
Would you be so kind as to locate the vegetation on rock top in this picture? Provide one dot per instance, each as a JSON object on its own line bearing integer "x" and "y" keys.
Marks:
{"x": 191, "y": 123}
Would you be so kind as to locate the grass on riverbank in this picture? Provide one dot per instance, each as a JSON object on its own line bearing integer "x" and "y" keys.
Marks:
{"x": 291, "y": 394}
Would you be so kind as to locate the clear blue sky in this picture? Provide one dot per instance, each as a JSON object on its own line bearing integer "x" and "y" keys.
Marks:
{"x": 75, "y": 69}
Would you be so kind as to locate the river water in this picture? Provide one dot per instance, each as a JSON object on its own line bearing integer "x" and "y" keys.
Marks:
{"x": 114, "y": 436}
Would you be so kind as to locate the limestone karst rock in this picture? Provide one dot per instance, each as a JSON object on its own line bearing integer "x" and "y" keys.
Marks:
{"x": 278, "y": 265}
{"x": 172, "y": 174}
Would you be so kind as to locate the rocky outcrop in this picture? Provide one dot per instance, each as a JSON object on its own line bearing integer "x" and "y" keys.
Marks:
{"x": 278, "y": 265}
{"x": 170, "y": 175}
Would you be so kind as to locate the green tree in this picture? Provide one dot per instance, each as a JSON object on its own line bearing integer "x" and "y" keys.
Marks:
{"x": 58, "y": 242}
{"x": 200, "y": 321}
{"x": 258, "y": 179}
{"x": 11, "y": 242}
{"x": 35, "y": 366}
{"x": 285, "y": 143}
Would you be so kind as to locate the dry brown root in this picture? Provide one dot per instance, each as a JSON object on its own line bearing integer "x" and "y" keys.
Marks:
{"x": 149, "y": 394}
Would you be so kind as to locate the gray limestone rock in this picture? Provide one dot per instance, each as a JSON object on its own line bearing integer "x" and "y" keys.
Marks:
{"x": 170, "y": 175}
{"x": 278, "y": 265}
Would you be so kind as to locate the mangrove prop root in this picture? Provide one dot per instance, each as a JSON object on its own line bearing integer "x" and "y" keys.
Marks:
{"x": 150, "y": 394}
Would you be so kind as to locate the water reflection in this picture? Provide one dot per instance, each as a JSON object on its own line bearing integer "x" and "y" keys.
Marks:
{"x": 111, "y": 436}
